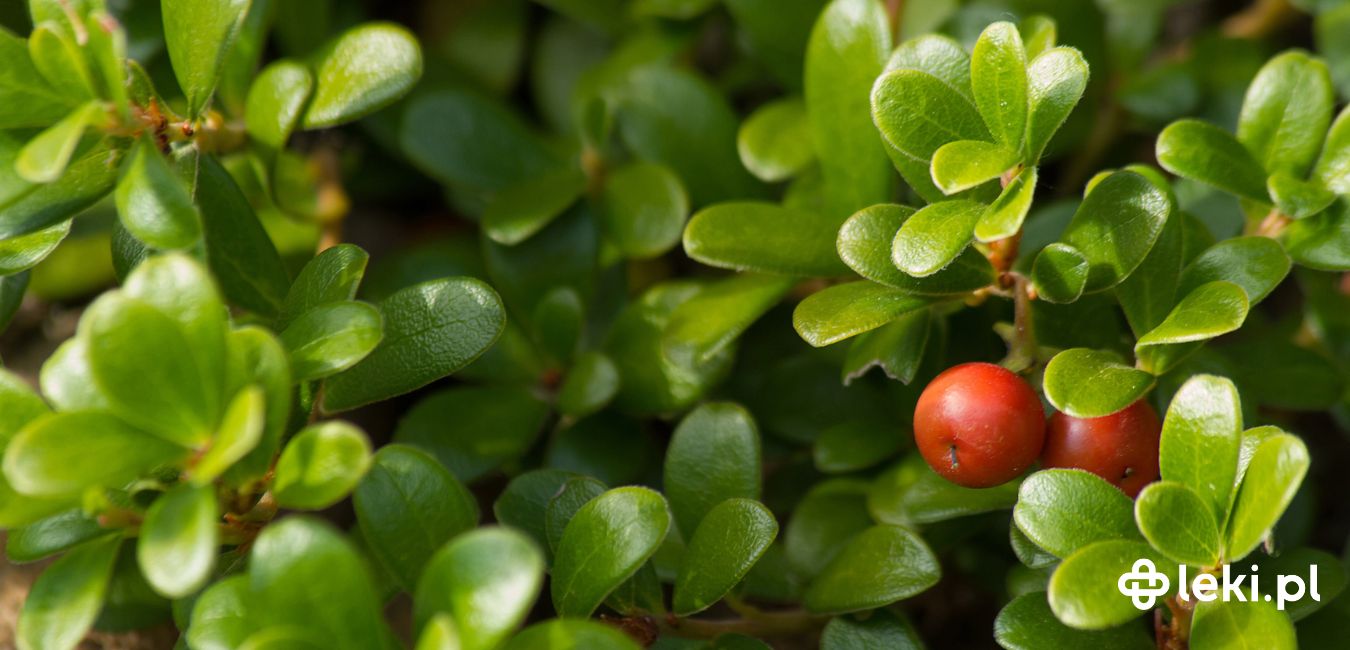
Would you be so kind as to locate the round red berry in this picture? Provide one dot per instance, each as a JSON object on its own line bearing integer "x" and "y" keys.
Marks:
{"x": 1121, "y": 447}
{"x": 979, "y": 425}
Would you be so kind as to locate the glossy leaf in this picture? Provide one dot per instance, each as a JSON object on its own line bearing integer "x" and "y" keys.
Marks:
{"x": 775, "y": 142}
{"x": 879, "y": 629}
{"x": 882, "y": 565}
{"x": 1064, "y": 510}
{"x": 1027, "y": 623}
{"x": 1286, "y": 113}
{"x": 153, "y": 204}
{"x": 198, "y": 36}
{"x": 487, "y": 581}
{"x": 897, "y": 348}
{"x": 220, "y": 615}
{"x": 712, "y": 320}
{"x": 729, "y": 540}
{"x": 998, "y": 75}
{"x": 408, "y": 506}
{"x": 917, "y": 112}
{"x": 841, "y": 311}
{"x": 331, "y": 338}
{"x": 28, "y": 99}
{"x": 1091, "y": 383}
{"x": 275, "y": 101}
{"x": 1218, "y": 624}
{"x": 64, "y": 453}
{"x": 714, "y": 455}
{"x": 87, "y": 179}
{"x": 1201, "y": 436}
{"x": 1057, "y": 78}
{"x": 179, "y": 541}
{"x": 934, "y": 236}
{"x": 430, "y": 330}
{"x": 865, "y": 243}
{"x": 1003, "y": 218}
{"x": 1178, "y": 523}
{"x": 606, "y": 543}
{"x": 363, "y": 70}
{"x": 1333, "y": 165}
{"x": 321, "y": 465}
{"x": 912, "y": 494}
{"x": 749, "y": 236}
{"x": 573, "y": 494}
{"x": 1257, "y": 264}
{"x": 1060, "y": 273}
{"x": 67, "y": 597}
{"x": 1084, "y": 591}
{"x": 590, "y": 384}
{"x": 21, "y": 253}
{"x": 472, "y": 430}
{"x": 963, "y": 164}
{"x": 1297, "y": 198}
{"x": 331, "y": 276}
{"x": 1272, "y": 477}
{"x": 240, "y": 431}
{"x": 1203, "y": 152}
{"x": 1115, "y": 226}
{"x": 47, "y": 155}
{"x": 643, "y": 208}
{"x": 1212, "y": 309}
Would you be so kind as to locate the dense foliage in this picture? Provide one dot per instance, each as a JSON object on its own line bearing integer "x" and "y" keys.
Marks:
{"x": 561, "y": 403}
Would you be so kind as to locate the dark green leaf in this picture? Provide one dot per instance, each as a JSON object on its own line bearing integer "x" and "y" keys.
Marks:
{"x": 331, "y": 276}
{"x": 604, "y": 544}
{"x": 524, "y": 503}
{"x": 729, "y": 540}
{"x": 1027, "y": 623}
{"x": 1060, "y": 273}
{"x": 153, "y": 204}
{"x": 714, "y": 455}
{"x": 643, "y": 208}
{"x": 1210, "y": 310}
{"x": 706, "y": 324}
{"x": 879, "y": 629}
{"x": 917, "y": 112}
{"x": 830, "y": 514}
{"x": 50, "y": 536}
{"x": 753, "y": 236}
{"x": 1149, "y": 294}
{"x": 67, "y": 597}
{"x": 518, "y": 212}
{"x": 854, "y": 445}
{"x": 589, "y": 385}
{"x": 28, "y": 209}
{"x": 865, "y": 244}
{"x": 1257, "y": 264}
{"x": 912, "y": 494}
{"x": 573, "y": 494}
{"x": 897, "y": 348}
{"x": 879, "y": 566}
{"x": 27, "y": 99}
{"x": 1116, "y": 225}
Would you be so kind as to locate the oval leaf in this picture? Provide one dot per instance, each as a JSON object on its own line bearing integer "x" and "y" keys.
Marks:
{"x": 321, "y": 465}
{"x": 365, "y": 69}
{"x": 606, "y": 543}
{"x": 179, "y": 540}
{"x": 1092, "y": 383}
{"x": 879, "y": 566}
{"x": 487, "y": 581}
{"x": 1063, "y": 510}
{"x": 728, "y": 542}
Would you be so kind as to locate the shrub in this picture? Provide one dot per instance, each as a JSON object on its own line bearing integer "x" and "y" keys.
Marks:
{"x": 568, "y": 414}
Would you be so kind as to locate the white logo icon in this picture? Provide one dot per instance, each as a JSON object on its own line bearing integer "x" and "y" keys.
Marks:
{"x": 1144, "y": 583}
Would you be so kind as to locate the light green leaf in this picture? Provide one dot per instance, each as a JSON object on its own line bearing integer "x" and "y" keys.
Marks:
{"x": 715, "y": 317}
{"x": 934, "y": 236}
{"x": 153, "y": 204}
{"x": 275, "y": 101}
{"x": 880, "y": 566}
{"x": 60, "y": 59}
{"x": 1297, "y": 198}
{"x": 240, "y": 431}
{"x": 1223, "y": 625}
{"x": 430, "y": 330}
{"x": 27, "y": 99}
{"x": 1201, "y": 435}
{"x": 1178, "y": 523}
{"x": 517, "y": 212}
{"x": 1286, "y": 113}
{"x": 1059, "y": 273}
{"x": 1064, "y": 510}
{"x": 844, "y": 310}
{"x": 865, "y": 244}
{"x": 408, "y": 506}
{"x": 64, "y": 453}
{"x": 604, "y": 544}
{"x": 714, "y": 455}
{"x": 963, "y": 164}
{"x": 1084, "y": 590}
{"x": 179, "y": 540}
{"x": 571, "y": 634}
{"x": 1206, "y": 153}
{"x": 331, "y": 276}
{"x": 1333, "y": 166}
{"x": 331, "y": 338}
{"x": 487, "y": 581}
{"x": 439, "y": 633}
{"x": 29, "y": 209}
{"x": 1210, "y": 310}
{"x": 198, "y": 35}
{"x": 1027, "y": 623}
{"x": 1149, "y": 294}
{"x": 67, "y": 597}
{"x": 1058, "y": 77}
{"x": 256, "y": 358}
{"x": 21, "y": 253}
{"x": 998, "y": 76}
{"x": 1092, "y": 383}
{"x": 1003, "y": 218}
{"x": 729, "y": 540}
{"x": 1257, "y": 264}
{"x": 755, "y": 236}
{"x": 1273, "y": 476}
{"x": 847, "y": 49}
{"x": 1116, "y": 225}
{"x": 918, "y": 111}
{"x": 220, "y": 616}
{"x": 64, "y": 378}
{"x": 321, "y": 465}
{"x": 361, "y": 71}
{"x": 45, "y": 158}
{"x": 1321, "y": 241}
{"x": 643, "y": 208}
{"x": 775, "y": 142}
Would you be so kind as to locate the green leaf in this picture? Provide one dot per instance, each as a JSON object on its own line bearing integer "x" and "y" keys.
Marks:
{"x": 1208, "y": 311}
{"x": 865, "y": 243}
{"x": 67, "y": 597}
{"x": 854, "y": 445}
{"x": 518, "y": 212}
{"x": 60, "y": 59}
{"x": 1257, "y": 264}
{"x": 1064, "y": 510}
{"x": 912, "y": 494}
{"x": 729, "y": 540}
{"x": 45, "y": 158}
{"x": 963, "y": 164}
{"x": 86, "y": 180}
{"x": 1284, "y": 375}
{"x": 361, "y": 71}
{"x": 1115, "y": 226}
{"x": 306, "y": 576}
{"x": 1027, "y": 623}
{"x": 12, "y": 288}
{"x": 1060, "y": 273}
{"x": 652, "y": 382}
{"x": 1057, "y": 78}
{"x": 1333, "y": 165}
{"x": 431, "y": 330}
{"x": 1286, "y": 113}
{"x": 21, "y": 253}
{"x": 1178, "y": 523}
{"x": 1299, "y": 199}
{"x": 1222, "y": 624}
{"x": 439, "y": 634}
{"x": 1201, "y": 435}
{"x": 471, "y": 430}
{"x": 755, "y": 236}
{"x": 775, "y": 141}
{"x": 198, "y": 35}
{"x": 643, "y": 208}
{"x": 573, "y": 494}
{"x": 714, "y": 455}
{"x": 487, "y": 581}
{"x": 847, "y": 50}
{"x": 1321, "y": 241}
{"x": 65, "y": 378}
{"x": 331, "y": 338}
{"x": 604, "y": 544}
{"x": 275, "y": 100}
{"x": 896, "y": 347}
{"x": 179, "y": 540}
{"x": 1084, "y": 590}
{"x": 934, "y": 236}
{"x": 27, "y": 99}
{"x": 220, "y": 616}
{"x": 256, "y": 359}
{"x": 523, "y": 505}
{"x": 880, "y": 566}
{"x": 52, "y": 535}
{"x": 321, "y": 465}
{"x": 1206, "y": 153}
{"x": 240, "y": 431}
{"x": 1087, "y": 383}
{"x": 844, "y": 310}
{"x": 153, "y": 204}
{"x": 331, "y": 276}
{"x": 1273, "y": 476}
{"x": 408, "y": 506}
{"x": 919, "y": 110}
{"x": 712, "y": 320}
{"x": 589, "y": 385}
{"x": 1003, "y": 218}
{"x": 998, "y": 76}
{"x": 63, "y": 453}
{"x": 571, "y": 634}
{"x": 830, "y": 514}
{"x": 1150, "y": 292}
{"x": 878, "y": 629}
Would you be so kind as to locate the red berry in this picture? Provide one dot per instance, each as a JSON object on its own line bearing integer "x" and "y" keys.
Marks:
{"x": 979, "y": 425}
{"x": 1121, "y": 448}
